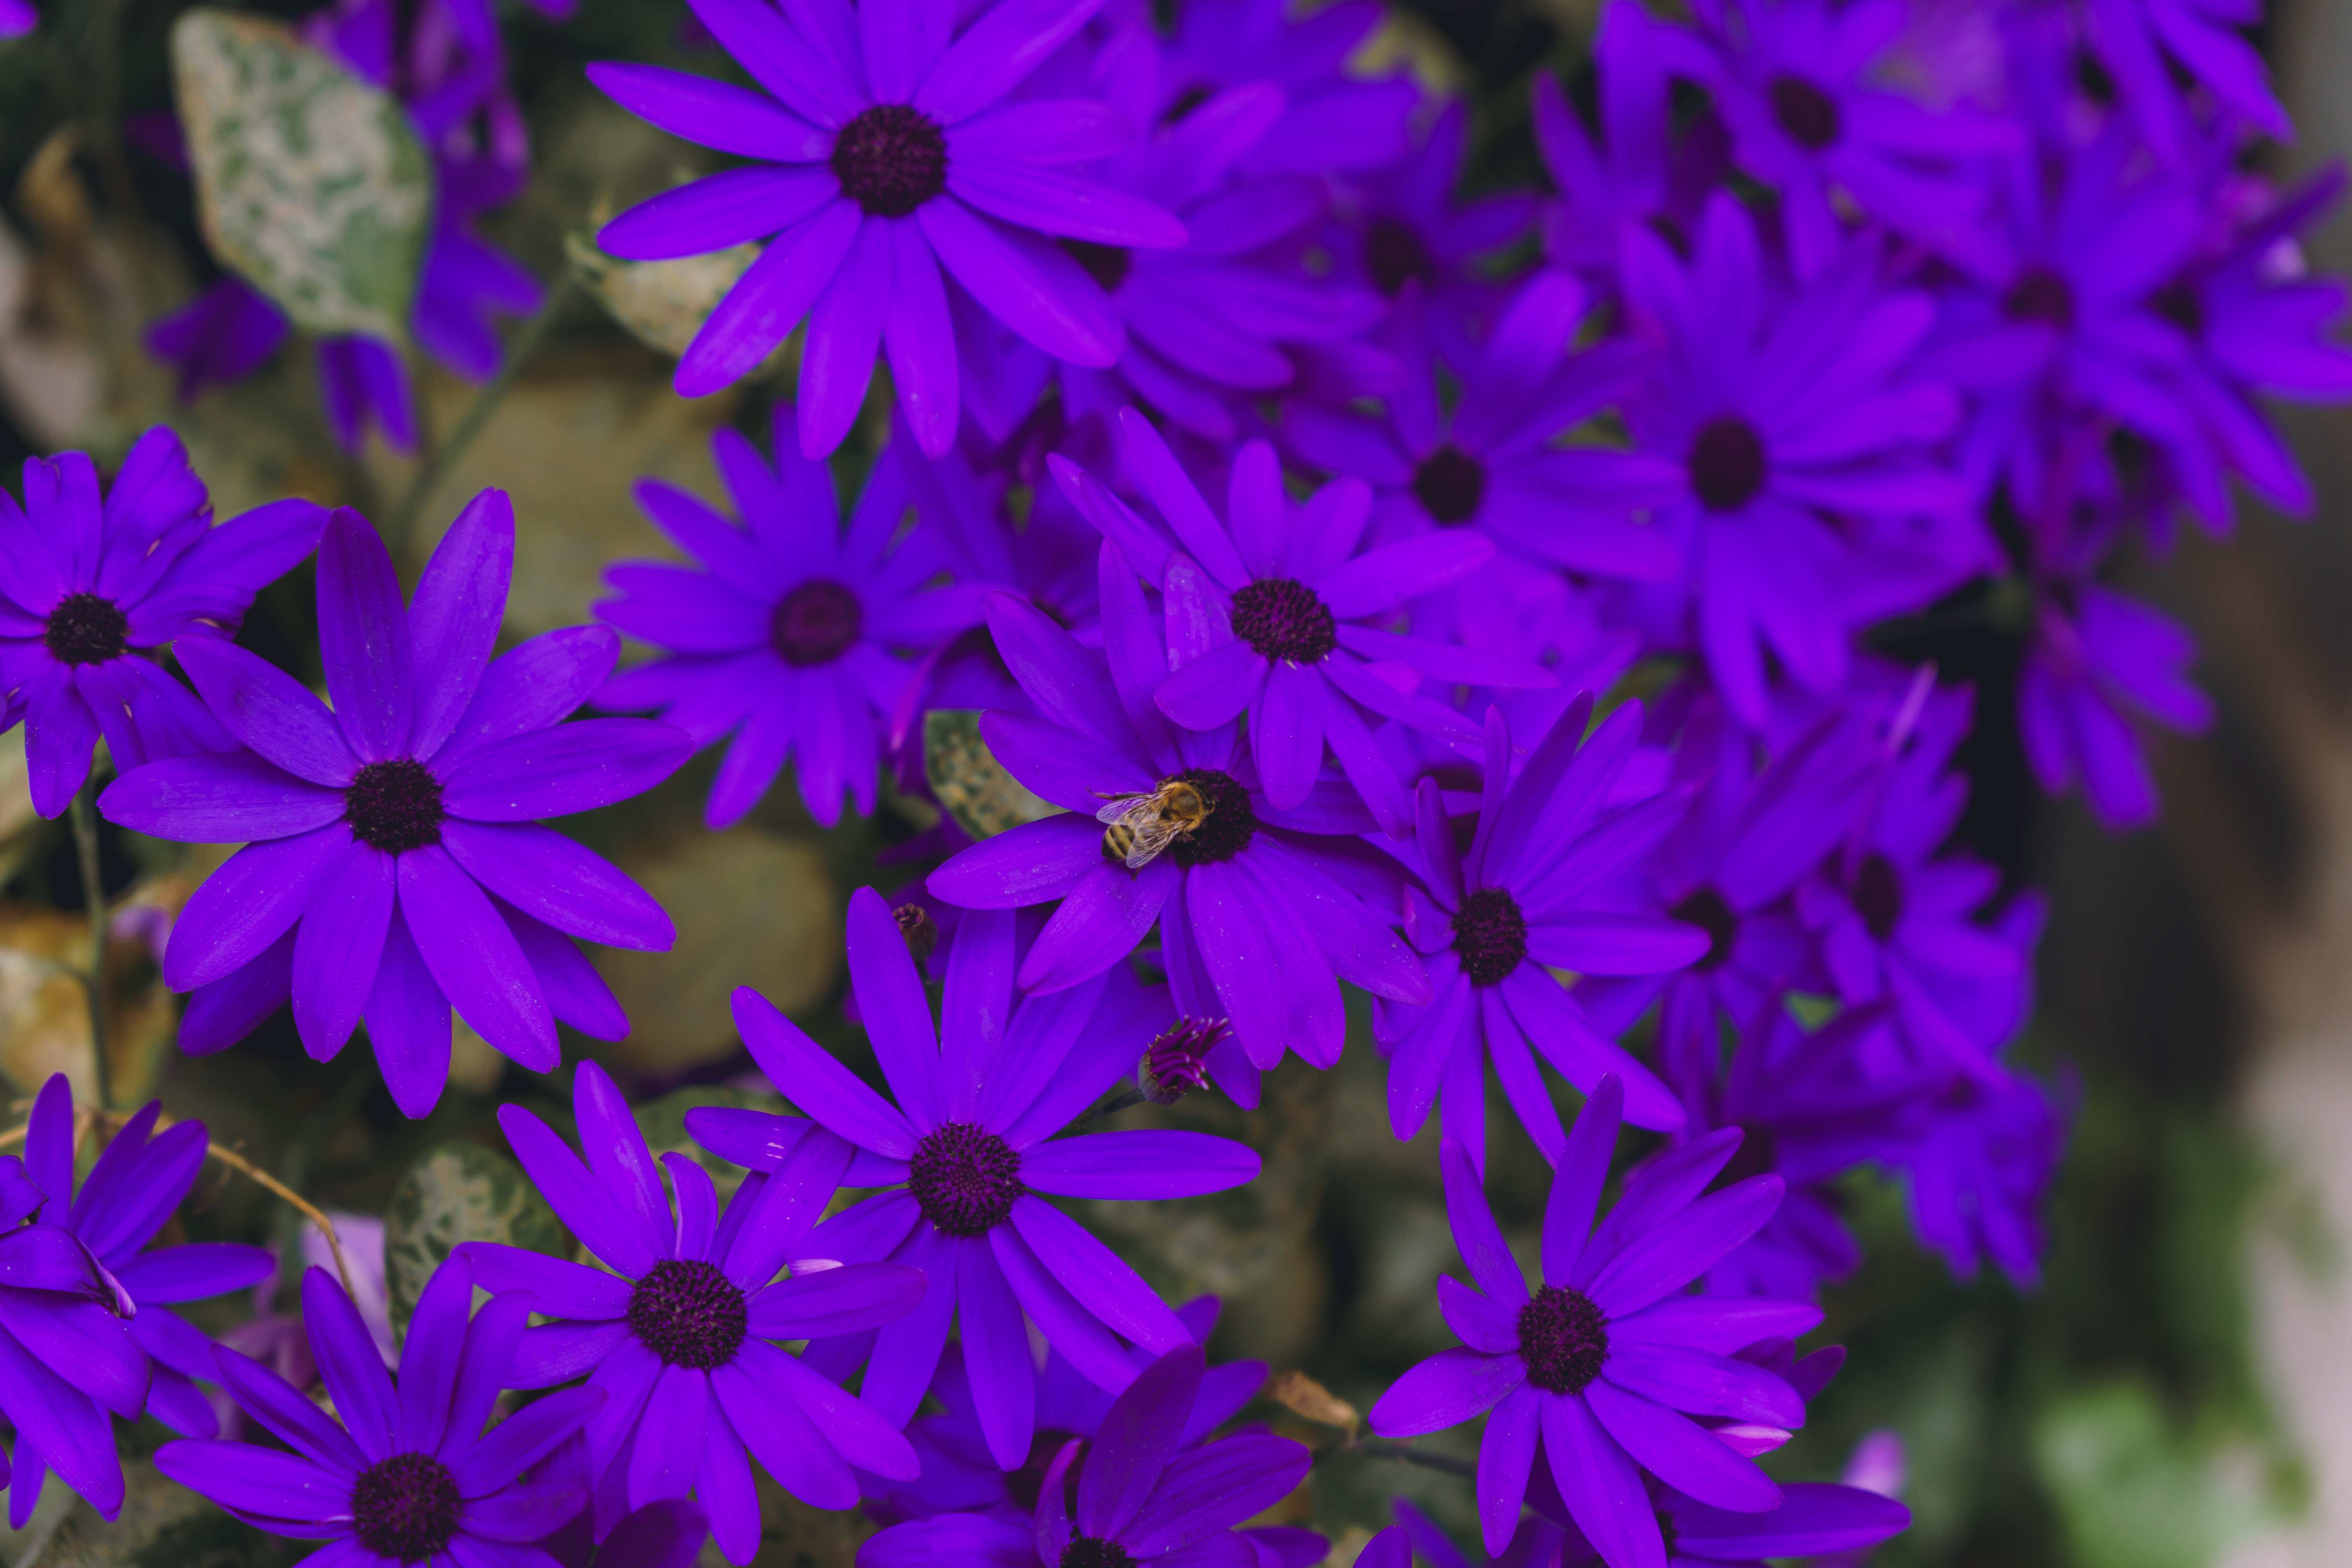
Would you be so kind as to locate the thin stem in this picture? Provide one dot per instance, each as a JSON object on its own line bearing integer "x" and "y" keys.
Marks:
{"x": 444, "y": 456}
{"x": 93, "y": 893}
{"x": 1111, "y": 1106}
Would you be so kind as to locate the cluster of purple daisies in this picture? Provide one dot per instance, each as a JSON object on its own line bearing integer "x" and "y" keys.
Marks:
{"x": 1300, "y": 527}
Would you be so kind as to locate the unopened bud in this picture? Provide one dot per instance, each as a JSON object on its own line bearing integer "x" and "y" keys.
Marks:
{"x": 1177, "y": 1063}
{"x": 921, "y": 932}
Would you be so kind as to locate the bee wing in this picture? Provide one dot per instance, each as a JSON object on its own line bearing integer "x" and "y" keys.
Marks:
{"x": 1151, "y": 836}
{"x": 1130, "y": 811}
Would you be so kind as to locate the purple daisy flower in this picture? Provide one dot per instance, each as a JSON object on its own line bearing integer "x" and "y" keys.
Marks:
{"x": 1233, "y": 316}
{"x": 791, "y": 637}
{"x": 1781, "y": 424}
{"x": 967, "y": 1160}
{"x": 1808, "y": 1107}
{"x": 409, "y": 1475}
{"x": 1285, "y": 612}
{"x": 1262, "y": 911}
{"x": 2143, "y": 41}
{"x": 1640, "y": 171}
{"x": 1752, "y": 835}
{"x": 393, "y": 866}
{"x": 1331, "y": 119}
{"x": 961, "y": 1475}
{"x": 140, "y": 1179}
{"x": 1813, "y": 1520}
{"x": 1602, "y": 1360}
{"x": 2258, "y": 324}
{"x": 1486, "y": 461}
{"x": 678, "y": 1337}
{"x": 84, "y": 581}
{"x": 1797, "y": 83}
{"x": 1142, "y": 1494}
{"x": 1496, "y": 923}
{"x": 1403, "y": 225}
{"x": 887, "y": 154}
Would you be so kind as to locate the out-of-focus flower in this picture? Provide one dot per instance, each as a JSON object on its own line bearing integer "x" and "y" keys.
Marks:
{"x": 394, "y": 864}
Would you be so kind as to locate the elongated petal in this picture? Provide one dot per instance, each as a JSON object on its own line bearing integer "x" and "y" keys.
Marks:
{"x": 820, "y": 1084}
{"x": 1681, "y": 1453}
{"x": 566, "y": 769}
{"x": 364, "y": 638}
{"x": 257, "y": 1481}
{"x": 474, "y": 957}
{"x": 268, "y": 710}
{"x": 1444, "y": 1391}
{"x": 1137, "y": 1165}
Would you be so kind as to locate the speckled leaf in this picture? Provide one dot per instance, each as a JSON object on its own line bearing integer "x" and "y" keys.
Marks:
{"x": 661, "y": 303}
{"x": 973, "y": 786}
{"x": 453, "y": 1192}
{"x": 309, "y": 180}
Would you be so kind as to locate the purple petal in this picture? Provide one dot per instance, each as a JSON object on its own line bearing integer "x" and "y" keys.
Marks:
{"x": 583, "y": 1205}
{"x": 220, "y": 799}
{"x": 1449, "y": 1388}
{"x": 1601, "y": 1485}
{"x": 848, "y": 1299}
{"x": 1137, "y": 1165}
{"x": 1718, "y": 1323}
{"x": 1077, "y": 1334}
{"x": 1215, "y": 1487}
{"x": 1476, "y": 1233}
{"x": 473, "y": 958}
{"x": 906, "y": 1352}
{"x": 453, "y": 621}
{"x": 257, "y": 1481}
{"x": 896, "y": 1013}
{"x": 1057, "y": 203}
{"x": 248, "y": 904}
{"x": 408, "y": 1025}
{"x": 560, "y": 1289}
{"x": 1678, "y": 1250}
{"x": 769, "y": 301}
{"x": 1023, "y": 281}
{"x": 782, "y": 1439}
{"x": 351, "y": 1366}
{"x": 1097, "y": 1276}
{"x": 278, "y": 1406}
{"x": 1506, "y": 1456}
{"x": 1703, "y": 1385}
{"x": 364, "y": 638}
{"x": 84, "y": 1342}
{"x": 1682, "y": 1453}
{"x": 569, "y": 768}
{"x": 1812, "y": 1518}
{"x": 714, "y": 114}
{"x": 527, "y": 1437}
{"x": 268, "y": 710}
{"x": 193, "y": 1270}
{"x": 992, "y": 57}
{"x": 339, "y": 946}
{"x": 820, "y": 1086}
{"x": 787, "y": 1204}
{"x": 560, "y": 881}
{"x": 534, "y": 685}
{"x": 996, "y": 1357}
{"x": 1576, "y": 1188}
{"x": 1136, "y": 1441}
{"x": 666, "y": 1448}
{"x": 864, "y": 1438}
{"x": 845, "y": 329}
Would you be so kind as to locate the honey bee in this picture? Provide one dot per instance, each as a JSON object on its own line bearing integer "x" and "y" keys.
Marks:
{"x": 1142, "y": 826}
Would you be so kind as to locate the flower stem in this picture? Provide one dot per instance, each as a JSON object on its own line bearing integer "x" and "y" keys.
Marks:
{"x": 444, "y": 456}
{"x": 1111, "y": 1106}
{"x": 93, "y": 893}
{"x": 1380, "y": 1448}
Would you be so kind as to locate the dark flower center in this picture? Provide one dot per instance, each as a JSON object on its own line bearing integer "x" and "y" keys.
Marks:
{"x": 1878, "y": 894}
{"x": 891, "y": 158}
{"x": 1808, "y": 114}
{"x": 1229, "y": 827}
{"x": 1086, "y": 1551}
{"x": 394, "y": 805}
{"x": 689, "y": 1314}
{"x": 1491, "y": 936}
{"x": 1706, "y": 908}
{"x": 921, "y": 932}
{"x": 1563, "y": 1338}
{"x": 1759, "y": 1153}
{"x": 2042, "y": 295}
{"x": 1394, "y": 255}
{"x": 1106, "y": 264}
{"x": 1727, "y": 464}
{"x": 85, "y": 629}
{"x": 1449, "y": 484}
{"x": 1177, "y": 1063}
{"x": 1284, "y": 620}
{"x": 815, "y": 623}
{"x": 2180, "y": 303}
{"x": 405, "y": 1508}
{"x": 965, "y": 1178}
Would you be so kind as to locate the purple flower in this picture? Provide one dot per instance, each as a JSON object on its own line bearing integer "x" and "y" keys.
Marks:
{"x": 84, "y": 581}
{"x": 1812, "y": 1518}
{"x": 1780, "y": 430}
{"x": 1332, "y": 119}
{"x": 967, "y": 1152}
{"x": 1603, "y": 1357}
{"x": 886, "y": 153}
{"x": 1486, "y": 462}
{"x": 1285, "y": 615}
{"x": 138, "y": 1181}
{"x": 394, "y": 867}
{"x": 791, "y": 637}
{"x": 1646, "y": 173}
{"x": 679, "y": 1336}
{"x": 409, "y": 1475}
{"x": 1496, "y": 923}
{"x": 1142, "y": 1496}
{"x": 961, "y": 1475}
{"x": 2143, "y": 41}
{"x": 223, "y": 335}
{"x": 1403, "y": 225}
{"x": 1232, "y": 315}
{"x": 1262, "y": 911}
{"x": 1752, "y": 835}
{"x": 1799, "y": 84}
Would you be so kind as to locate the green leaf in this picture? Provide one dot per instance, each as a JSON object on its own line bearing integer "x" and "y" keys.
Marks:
{"x": 309, "y": 182}
{"x": 970, "y": 782}
{"x": 455, "y": 1193}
